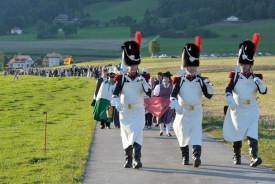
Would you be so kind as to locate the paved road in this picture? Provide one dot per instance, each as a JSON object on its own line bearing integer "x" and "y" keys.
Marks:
{"x": 161, "y": 160}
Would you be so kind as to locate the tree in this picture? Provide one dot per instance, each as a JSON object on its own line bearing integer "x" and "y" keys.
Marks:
{"x": 38, "y": 62}
{"x": 153, "y": 48}
{"x": 70, "y": 29}
{"x": 2, "y": 61}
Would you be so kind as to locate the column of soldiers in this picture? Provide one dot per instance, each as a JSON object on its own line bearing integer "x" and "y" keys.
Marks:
{"x": 241, "y": 116}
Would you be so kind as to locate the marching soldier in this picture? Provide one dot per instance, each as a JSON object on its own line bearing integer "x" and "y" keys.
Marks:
{"x": 128, "y": 98}
{"x": 186, "y": 99}
{"x": 241, "y": 119}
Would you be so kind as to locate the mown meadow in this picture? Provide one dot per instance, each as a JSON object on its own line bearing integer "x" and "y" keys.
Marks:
{"x": 69, "y": 129}
{"x": 70, "y": 126}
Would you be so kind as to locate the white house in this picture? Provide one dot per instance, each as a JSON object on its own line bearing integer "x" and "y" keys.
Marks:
{"x": 232, "y": 19}
{"x": 21, "y": 61}
{"x": 62, "y": 18}
{"x": 16, "y": 30}
{"x": 52, "y": 59}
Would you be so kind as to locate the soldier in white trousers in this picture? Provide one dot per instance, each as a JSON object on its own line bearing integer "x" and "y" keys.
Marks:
{"x": 128, "y": 98}
{"x": 241, "y": 119}
{"x": 186, "y": 99}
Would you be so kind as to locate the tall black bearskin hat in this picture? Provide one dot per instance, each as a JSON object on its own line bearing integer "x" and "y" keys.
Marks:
{"x": 247, "y": 50}
{"x": 131, "y": 51}
{"x": 191, "y": 53}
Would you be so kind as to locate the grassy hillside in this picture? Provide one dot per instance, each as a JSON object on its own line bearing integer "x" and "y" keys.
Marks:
{"x": 231, "y": 34}
{"x": 243, "y": 31}
{"x": 106, "y": 11}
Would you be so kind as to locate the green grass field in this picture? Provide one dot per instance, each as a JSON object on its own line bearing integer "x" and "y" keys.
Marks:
{"x": 69, "y": 130}
{"x": 70, "y": 126}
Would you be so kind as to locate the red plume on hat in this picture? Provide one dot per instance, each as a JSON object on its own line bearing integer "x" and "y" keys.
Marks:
{"x": 255, "y": 41}
{"x": 198, "y": 42}
{"x": 138, "y": 39}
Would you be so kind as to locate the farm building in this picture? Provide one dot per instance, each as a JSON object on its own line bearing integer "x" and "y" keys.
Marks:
{"x": 21, "y": 61}
{"x": 55, "y": 59}
{"x": 16, "y": 30}
{"x": 232, "y": 19}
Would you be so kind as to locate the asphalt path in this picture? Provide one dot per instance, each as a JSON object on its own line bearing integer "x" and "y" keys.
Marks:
{"x": 161, "y": 159}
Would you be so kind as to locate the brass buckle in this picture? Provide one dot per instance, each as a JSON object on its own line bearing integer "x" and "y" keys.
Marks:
{"x": 247, "y": 102}
{"x": 130, "y": 106}
{"x": 191, "y": 107}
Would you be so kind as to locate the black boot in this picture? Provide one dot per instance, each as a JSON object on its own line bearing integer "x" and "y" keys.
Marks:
{"x": 253, "y": 152}
{"x": 137, "y": 155}
{"x": 237, "y": 152}
{"x": 128, "y": 157}
{"x": 196, "y": 155}
{"x": 102, "y": 123}
{"x": 185, "y": 155}
{"x": 108, "y": 125}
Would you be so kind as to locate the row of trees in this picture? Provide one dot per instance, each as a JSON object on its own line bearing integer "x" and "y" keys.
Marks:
{"x": 2, "y": 60}
{"x": 178, "y": 27}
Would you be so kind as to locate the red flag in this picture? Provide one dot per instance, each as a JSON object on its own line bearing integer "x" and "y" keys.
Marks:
{"x": 156, "y": 105}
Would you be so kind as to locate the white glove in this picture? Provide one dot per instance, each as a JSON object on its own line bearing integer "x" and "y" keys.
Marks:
{"x": 209, "y": 87}
{"x": 174, "y": 104}
{"x": 116, "y": 102}
{"x": 231, "y": 102}
{"x": 260, "y": 83}
{"x": 145, "y": 84}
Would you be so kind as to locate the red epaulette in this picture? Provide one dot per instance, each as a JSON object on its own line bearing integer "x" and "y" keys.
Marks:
{"x": 146, "y": 76}
{"x": 231, "y": 74}
{"x": 174, "y": 81}
{"x": 118, "y": 78}
{"x": 259, "y": 75}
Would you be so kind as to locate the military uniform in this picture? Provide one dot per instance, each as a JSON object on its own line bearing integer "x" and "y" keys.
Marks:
{"x": 128, "y": 98}
{"x": 186, "y": 98}
{"x": 241, "y": 119}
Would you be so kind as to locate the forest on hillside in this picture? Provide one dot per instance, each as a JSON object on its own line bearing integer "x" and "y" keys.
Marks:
{"x": 184, "y": 18}
{"x": 171, "y": 18}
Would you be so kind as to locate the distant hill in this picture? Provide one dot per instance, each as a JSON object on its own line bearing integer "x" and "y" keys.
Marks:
{"x": 155, "y": 15}
{"x": 117, "y": 20}
{"x": 106, "y": 11}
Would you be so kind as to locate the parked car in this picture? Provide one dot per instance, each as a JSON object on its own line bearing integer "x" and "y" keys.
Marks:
{"x": 173, "y": 56}
{"x": 260, "y": 53}
{"x": 267, "y": 54}
{"x": 163, "y": 56}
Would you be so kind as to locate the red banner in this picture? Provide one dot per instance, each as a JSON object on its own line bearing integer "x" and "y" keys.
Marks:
{"x": 156, "y": 105}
